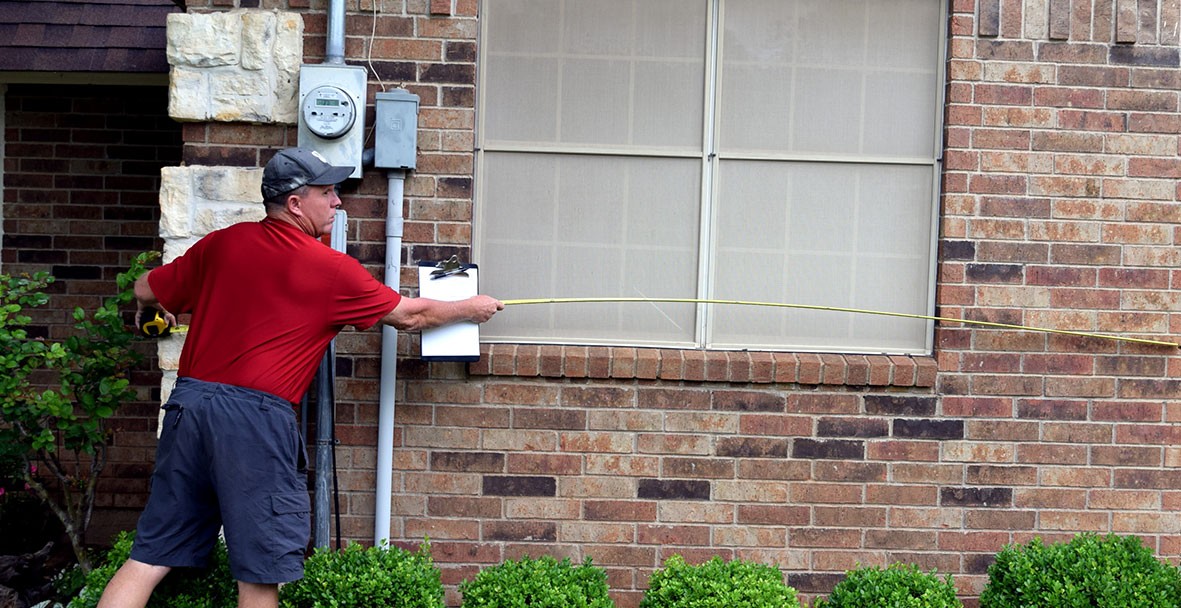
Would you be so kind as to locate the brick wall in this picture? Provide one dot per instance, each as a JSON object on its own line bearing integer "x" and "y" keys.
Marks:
{"x": 1059, "y": 209}
{"x": 81, "y": 176}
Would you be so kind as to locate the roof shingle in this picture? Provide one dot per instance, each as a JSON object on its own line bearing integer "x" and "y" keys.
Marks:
{"x": 84, "y": 35}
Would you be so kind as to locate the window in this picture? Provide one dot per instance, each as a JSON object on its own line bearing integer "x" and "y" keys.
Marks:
{"x": 758, "y": 150}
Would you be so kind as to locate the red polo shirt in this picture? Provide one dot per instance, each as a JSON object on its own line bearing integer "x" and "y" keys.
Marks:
{"x": 266, "y": 299}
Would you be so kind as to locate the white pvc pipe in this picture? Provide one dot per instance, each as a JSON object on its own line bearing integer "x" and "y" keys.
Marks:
{"x": 384, "y": 494}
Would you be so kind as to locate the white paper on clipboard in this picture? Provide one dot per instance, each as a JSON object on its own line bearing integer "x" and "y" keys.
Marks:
{"x": 457, "y": 341}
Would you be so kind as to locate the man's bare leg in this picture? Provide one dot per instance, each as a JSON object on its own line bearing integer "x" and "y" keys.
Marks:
{"x": 254, "y": 595}
{"x": 132, "y": 585}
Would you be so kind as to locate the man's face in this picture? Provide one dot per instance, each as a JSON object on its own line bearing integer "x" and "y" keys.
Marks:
{"x": 319, "y": 210}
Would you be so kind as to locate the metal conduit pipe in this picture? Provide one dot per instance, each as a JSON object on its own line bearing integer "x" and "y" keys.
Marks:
{"x": 384, "y": 493}
{"x": 334, "y": 47}
{"x": 325, "y": 405}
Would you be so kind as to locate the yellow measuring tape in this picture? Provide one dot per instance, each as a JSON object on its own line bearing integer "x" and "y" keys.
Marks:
{"x": 860, "y": 311}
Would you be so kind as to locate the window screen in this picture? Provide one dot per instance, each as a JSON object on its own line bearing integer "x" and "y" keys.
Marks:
{"x": 780, "y": 151}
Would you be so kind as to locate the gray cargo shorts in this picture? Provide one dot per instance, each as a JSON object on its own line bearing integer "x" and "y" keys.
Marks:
{"x": 233, "y": 457}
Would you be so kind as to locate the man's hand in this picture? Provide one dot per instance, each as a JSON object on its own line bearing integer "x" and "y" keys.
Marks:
{"x": 484, "y": 307}
{"x": 169, "y": 319}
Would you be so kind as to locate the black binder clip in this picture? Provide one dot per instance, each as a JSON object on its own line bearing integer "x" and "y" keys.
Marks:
{"x": 449, "y": 267}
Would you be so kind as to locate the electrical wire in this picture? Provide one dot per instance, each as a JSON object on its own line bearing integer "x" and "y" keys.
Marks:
{"x": 862, "y": 311}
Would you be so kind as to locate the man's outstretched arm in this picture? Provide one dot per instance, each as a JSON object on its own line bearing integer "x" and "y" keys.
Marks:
{"x": 413, "y": 314}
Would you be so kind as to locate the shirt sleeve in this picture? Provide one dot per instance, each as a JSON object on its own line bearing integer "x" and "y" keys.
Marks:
{"x": 361, "y": 300}
{"x": 176, "y": 283}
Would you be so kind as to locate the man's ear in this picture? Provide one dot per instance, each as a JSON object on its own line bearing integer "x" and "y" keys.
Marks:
{"x": 294, "y": 205}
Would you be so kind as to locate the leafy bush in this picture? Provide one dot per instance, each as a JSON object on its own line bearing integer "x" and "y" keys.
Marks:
{"x": 896, "y": 586}
{"x": 1090, "y": 571}
{"x": 69, "y": 582}
{"x": 538, "y": 583}
{"x": 213, "y": 587}
{"x": 718, "y": 584}
{"x": 61, "y": 431}
{"x": 355, "y": 576}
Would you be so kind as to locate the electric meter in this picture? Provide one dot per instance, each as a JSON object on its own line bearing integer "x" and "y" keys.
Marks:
{"x": 328, "y": 111}
{"x": 331, "y": 112}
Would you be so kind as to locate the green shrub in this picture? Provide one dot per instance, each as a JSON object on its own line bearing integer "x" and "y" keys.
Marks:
{"x": 1090, "y": 571}
{"x": 356, "y": 576}
{"x": 57, "y": 397}
{"x": 211, "y": 587}
{"x": 538, "y": 583}
{"x": 896, "y": 586}
{"x": 718, "y": 584}
{"x": 69, "y": 582}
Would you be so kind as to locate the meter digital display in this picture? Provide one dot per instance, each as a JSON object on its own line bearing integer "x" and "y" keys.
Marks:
{"x": 328, "y": 111}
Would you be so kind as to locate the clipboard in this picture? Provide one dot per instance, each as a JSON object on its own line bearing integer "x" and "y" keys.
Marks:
{"x": 456, "y": 341}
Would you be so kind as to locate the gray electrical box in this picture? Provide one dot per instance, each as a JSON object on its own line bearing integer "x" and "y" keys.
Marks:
{"x": 396, "y": 130}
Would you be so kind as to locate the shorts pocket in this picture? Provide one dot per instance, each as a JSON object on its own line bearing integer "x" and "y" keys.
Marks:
{"x": 293, "y": 503}
{"x": 290, "y": 528}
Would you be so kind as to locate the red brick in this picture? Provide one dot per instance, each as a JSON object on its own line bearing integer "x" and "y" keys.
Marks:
{"x": 598, "y": 396}
{"x": 881, "y": 370}
{"x": 856, "y": 370}
{"x": 1087, "y": 120}
{"x": 512, "y": 393}
{"x": 786, "y": 368}
{"x": 575, "y": 361}
{"x": 833, "y": 369}
{"x": 694, "y": 365}
{"x": 717, "y": 366}
{"x": 911, "y": 451}
{"x": 825, "y": 493}
{"x": 811, "y": 369}
{"x": 825, "y": 537}
{"x": 681, "y": 535}
{"x": 1125, "y": 456}
{"x": 831, "y": 403}
{"x": 671, "y": 365}
{"x": 623, "y": 363}
{"x": 778, "y": 515}
{"x": 598, "y": 363}
{"x": 648, "y": 364}
{"x": 995, "y": 519}
{"x": 914, "y": 540}
{"x": 762, "y": 367}
{"x": 503, "y": 359}
{"x": 775, "y": 425}
{"x": 610, "y": 555}
{"x": 988, "y": 542}
{"x": 481, "y": 417}
{"x": 528, "y": 360}
{"x": 739, "y": 366}
{"x": 773, "y": 469}
{"x": 552, "y": 361}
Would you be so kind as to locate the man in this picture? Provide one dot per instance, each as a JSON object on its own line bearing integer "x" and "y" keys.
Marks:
{"x": 266, "y": 298}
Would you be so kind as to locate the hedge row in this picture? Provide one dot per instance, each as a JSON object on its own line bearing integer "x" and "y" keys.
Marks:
{"x": 1090, "y": 571}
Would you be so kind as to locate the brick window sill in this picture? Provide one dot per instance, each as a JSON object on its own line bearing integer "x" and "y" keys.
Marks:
{"x": 742, "y": 367}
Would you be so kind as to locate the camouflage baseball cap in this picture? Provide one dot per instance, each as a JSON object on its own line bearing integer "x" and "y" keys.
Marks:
{"x": 296, "y": 167}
